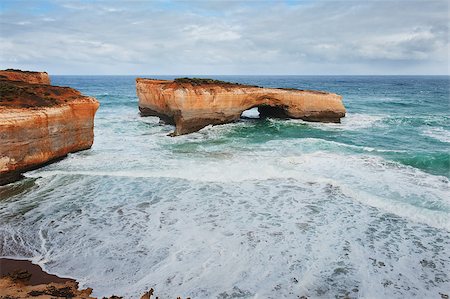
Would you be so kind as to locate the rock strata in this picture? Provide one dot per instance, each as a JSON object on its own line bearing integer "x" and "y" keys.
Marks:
{"x": 40, "y": 123}
{"x": 192, "y": 104}
{"x": 25, "y": 76}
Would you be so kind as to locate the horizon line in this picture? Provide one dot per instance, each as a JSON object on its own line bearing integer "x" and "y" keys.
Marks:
{"x": 248, "y": 75}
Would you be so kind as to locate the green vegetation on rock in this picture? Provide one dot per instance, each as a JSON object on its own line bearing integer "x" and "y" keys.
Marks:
{"x": 203, "y": 81}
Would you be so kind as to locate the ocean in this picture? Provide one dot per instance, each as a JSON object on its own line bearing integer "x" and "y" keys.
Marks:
{"x": 254, "y": 209}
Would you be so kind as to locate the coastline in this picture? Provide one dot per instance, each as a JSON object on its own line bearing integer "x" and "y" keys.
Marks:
{"x": 23, "y": 279}
{"x": 338, "y": 192}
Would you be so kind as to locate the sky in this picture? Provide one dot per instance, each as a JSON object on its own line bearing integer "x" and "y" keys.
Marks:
{"x": 311, "y": 37}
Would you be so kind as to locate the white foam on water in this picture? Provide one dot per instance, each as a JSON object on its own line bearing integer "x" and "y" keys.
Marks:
{"x": 196, "y": 216}
{"x": 252, "y": 239}
{"x": 351, "y": 122}
{"x": 437, "y": 133}
{"x": 402, "y": 190}
{"x": 317, "y": 143}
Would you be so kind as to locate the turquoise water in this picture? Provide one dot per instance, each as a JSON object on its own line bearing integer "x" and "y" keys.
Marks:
{"x": 404, "y": 118}
{"x": 254, "y": 209}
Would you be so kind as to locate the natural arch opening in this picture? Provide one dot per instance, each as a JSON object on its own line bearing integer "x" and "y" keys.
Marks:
{"x": 272, "y": 111}
{"x": 265, "y": 111}
{"x": 251, "y": 113}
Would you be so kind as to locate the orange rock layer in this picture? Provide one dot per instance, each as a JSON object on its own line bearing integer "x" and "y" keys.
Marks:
{"x": 19, "y": 290}
{"x": 192, "y": 104}
{"x": 25, "y": 76}
{"x": 41, "y": 123}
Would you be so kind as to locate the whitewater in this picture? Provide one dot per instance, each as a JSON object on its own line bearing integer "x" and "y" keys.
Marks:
{"x": 254, "y": 209}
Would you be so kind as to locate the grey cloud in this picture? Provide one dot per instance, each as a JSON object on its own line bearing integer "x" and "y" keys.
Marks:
{"x": 319, "y": 37}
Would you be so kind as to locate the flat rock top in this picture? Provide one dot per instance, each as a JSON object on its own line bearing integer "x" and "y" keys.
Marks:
{"x": 21, "y": 72}
{"x": 199, "y": 83}
{"x": 26, "y": 76}
{"x": 17, "y": 94}
{"x": 194, "y": 83}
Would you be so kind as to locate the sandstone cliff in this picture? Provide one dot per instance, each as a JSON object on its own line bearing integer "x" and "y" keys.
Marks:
{"x": 25, "y": 76}
{"x": 191, "y": 104}
{"x": 40, "y": 123}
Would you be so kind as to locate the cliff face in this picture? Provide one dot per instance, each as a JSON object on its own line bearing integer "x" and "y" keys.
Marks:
{"x": 191, "y": 104}
{"x": 41, "y": 123}
{"x": 25, "y": 76}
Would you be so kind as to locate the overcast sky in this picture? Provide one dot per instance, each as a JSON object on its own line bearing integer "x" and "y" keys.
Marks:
{"x": 226, "y": 37}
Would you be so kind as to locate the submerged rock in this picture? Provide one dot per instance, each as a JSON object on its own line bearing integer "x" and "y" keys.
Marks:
{"x": 40, "y": 123}
{"x": 192, "y": 104}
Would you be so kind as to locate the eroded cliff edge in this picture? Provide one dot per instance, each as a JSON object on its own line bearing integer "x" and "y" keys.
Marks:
{"x": 25, "y": 76}
{"x": 192, "y": 104}
{"x": 40, "y": 123}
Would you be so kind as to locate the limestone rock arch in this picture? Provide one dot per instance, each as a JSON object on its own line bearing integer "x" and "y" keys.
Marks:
{"x": 192, "y": 104}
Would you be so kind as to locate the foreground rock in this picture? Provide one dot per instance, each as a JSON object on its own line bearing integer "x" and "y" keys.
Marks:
{"x": 40, "y": 123}
{"x": 20, "y": 279}
{"x": 192, "y": 104}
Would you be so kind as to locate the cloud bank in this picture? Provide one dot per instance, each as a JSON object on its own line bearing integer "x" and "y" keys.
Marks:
{"x": 226, "y": 37}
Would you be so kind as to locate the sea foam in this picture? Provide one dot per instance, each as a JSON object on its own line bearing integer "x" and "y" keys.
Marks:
{"x": 253, "y": 209}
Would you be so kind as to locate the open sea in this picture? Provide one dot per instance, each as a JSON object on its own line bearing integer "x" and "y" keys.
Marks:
{"x": 254, "y": 209}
